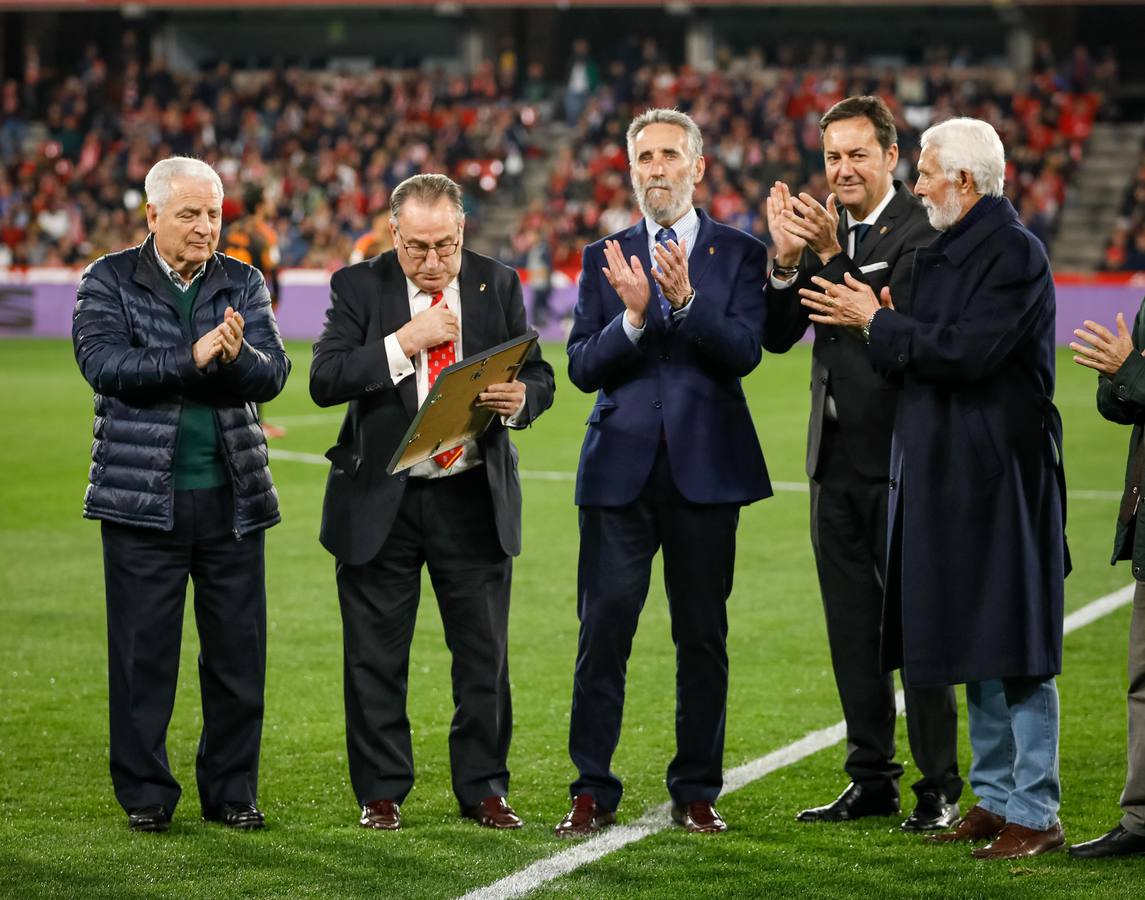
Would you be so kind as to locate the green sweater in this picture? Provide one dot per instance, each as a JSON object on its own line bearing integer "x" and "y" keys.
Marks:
{"x": 198, "y": 456}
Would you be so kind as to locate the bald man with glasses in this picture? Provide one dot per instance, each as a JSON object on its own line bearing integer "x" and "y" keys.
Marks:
{"x": 394, "y": 323}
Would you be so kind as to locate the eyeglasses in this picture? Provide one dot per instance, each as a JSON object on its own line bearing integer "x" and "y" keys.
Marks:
{"x": 443, "y": 249}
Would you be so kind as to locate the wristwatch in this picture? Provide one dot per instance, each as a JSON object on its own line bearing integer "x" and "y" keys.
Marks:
{"x": 867, "y": 327}
{"x": 784, "y": 271}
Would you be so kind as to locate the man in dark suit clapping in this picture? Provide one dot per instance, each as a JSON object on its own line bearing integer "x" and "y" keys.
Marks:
{"x": 394, "y": 322}
{"x": 873, "y": 237}
{"x": 669, "y": 458}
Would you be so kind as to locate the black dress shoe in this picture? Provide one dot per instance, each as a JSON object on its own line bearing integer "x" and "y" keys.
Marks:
{"x": 245, "y": 816}
{"x": 856, "y": 802}
{"x": 931, "y": 813}
{"x": 1117, "y": 842}
{"x": 149, "y": 818}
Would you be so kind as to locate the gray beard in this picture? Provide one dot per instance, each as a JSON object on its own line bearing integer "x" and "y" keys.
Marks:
{"x": 669, "y": 214}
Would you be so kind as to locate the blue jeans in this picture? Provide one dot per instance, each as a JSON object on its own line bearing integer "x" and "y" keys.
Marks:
{"x": 1014, "y": 738}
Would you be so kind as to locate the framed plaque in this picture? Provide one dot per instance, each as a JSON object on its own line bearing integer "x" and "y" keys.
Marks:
{"x": 449, "y": 417}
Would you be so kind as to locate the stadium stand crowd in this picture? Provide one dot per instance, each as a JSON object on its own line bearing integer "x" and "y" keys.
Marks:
{"x": 1126, "y": 249}
{"x": 327, "y": 147}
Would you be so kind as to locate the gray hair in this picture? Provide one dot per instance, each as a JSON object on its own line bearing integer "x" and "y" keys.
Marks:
{"x": 969, "y": 145}
{"x": 427, "y": 189}
{"x": 157, "y": 185}
{"x": 666, "y": 117}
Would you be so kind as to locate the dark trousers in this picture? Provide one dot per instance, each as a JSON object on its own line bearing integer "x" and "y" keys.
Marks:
{"x": 617, "y": 545}
{"x": 146, "y": 574}
{"x": 447, "y": 525}
{"x": 849, "y": 536}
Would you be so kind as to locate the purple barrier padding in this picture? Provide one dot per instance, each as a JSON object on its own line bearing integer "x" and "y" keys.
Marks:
{"x": 1099, "y": 303}
{"x": 39, "y": 304}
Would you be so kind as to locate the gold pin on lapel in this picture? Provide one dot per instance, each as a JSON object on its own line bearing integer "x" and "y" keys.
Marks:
{"x": 711, "y": 251}
{"x": 883, "y": 230}
{"x": 482, "y": 286}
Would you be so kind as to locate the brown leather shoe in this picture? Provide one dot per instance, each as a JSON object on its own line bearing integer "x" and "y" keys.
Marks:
{"x": 1017, "y": 841}
{"x": 493, "y": 812}
{"x": 584, "y": 818}
{"x": 977, "y": 825}
{"x": 699, "y": 818}
{"x": 384, "y": 815}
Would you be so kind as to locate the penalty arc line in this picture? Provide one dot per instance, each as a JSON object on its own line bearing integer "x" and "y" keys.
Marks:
{"x": 656, "y": 820}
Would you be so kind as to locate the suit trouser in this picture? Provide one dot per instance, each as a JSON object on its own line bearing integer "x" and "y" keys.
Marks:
{"x": 616, "y": 550}
{"x": 1133, "y": 797}
{"x": 447, "y": 525}
{"x": 849, "y": 537}
{"x": 146, "y": 574}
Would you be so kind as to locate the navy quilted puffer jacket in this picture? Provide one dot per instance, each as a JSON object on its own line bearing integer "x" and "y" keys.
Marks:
{"x": 135, "y": 351}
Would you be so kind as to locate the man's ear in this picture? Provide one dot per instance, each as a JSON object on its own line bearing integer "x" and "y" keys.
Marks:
{"x": 698, "y": 174}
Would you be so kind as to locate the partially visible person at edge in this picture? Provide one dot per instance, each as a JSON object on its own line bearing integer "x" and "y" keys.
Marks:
{"x": 179, "y": 343}
{"x": 252, "y": 239}
{"x": 1117, "y": 355}
{"x": 872, "y": 235}
{"x": 977, "y": 557}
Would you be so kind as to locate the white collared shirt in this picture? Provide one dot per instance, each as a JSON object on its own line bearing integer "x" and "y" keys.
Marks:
{"x": 401, "y": 367}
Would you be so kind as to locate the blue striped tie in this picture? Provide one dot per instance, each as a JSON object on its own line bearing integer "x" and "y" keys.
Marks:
{"x": 662, "y": 237}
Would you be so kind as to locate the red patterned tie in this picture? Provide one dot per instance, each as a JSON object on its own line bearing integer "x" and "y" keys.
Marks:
{"x": 437, "y": 358}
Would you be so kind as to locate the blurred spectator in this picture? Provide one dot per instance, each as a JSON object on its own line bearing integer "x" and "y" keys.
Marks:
{"x": 1125, "y": 250}
{"x": 377, "y": 240}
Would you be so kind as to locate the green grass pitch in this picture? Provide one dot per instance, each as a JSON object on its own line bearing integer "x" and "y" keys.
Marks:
{"x": 62, "y": 834}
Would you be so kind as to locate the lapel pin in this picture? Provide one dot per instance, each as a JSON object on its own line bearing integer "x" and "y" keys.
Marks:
{"x": 482, "y": 286}
{"x": 883, "y": 230}
{"x": 711, "y": 251}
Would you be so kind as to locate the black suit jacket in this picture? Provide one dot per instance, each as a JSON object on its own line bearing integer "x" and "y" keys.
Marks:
{"x": 367, "y": 302}
{"x": 865, "y": 398}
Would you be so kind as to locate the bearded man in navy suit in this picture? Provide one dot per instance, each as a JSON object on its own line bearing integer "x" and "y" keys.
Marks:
{"x": 668, "y": 321}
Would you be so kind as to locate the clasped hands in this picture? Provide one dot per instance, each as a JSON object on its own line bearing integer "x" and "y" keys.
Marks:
{"x": 223, "y": 342}
{"x": 850, "y": 304}
{"x": 1102, "y": 349}
{"x": 631, "y": 284}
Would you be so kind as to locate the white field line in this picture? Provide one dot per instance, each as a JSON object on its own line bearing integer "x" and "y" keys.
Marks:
{"x": 792, "y": 487}
{"x": 656, "y": 820}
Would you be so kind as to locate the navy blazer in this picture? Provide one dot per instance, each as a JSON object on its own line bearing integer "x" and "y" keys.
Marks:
{"x": 681, "y": 383}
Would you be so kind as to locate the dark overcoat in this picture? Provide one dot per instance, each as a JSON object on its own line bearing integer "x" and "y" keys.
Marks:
{"x": 977, "y": 557}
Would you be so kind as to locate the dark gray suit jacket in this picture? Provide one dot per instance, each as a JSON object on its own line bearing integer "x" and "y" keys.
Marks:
{"x": 367, "y": 302}
{"x": 864, "y": 398}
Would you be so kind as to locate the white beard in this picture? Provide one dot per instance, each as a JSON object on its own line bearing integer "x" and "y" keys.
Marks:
{"x": 943, "y": 216}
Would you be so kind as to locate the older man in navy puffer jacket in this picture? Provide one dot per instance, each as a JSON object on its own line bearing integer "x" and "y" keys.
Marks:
{"x": 179, "y": 343}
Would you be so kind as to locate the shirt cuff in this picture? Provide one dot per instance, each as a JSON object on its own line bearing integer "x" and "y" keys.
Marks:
{"x": 781, "y": 283}
{"x": 400, "y": 365}
{"x": 634, "y": 333}
{"x": 512, "y": 421}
